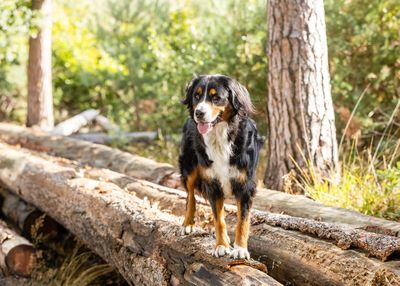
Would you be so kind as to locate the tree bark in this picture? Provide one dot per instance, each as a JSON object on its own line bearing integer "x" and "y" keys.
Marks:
{"x": 26, "y": 216}
{"x": 91, "y": 154}
{"x": 17, "y": 255}
{"x": 40, "y": 98}
{"x": 101, "y": 206}
{"x": 143, "y": 243}
{"x": 300, "y": 111}
{"x": 104, "y": 138}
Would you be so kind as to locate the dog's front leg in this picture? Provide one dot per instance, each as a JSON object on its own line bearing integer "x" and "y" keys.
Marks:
{"x": 189, "y": 223}
{"x": 242, "y": 229}
{"x": 222, "y": 239}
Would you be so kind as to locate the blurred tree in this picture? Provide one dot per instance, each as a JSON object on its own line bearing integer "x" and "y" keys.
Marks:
{"x": 302, "y": 135}
{"x": 17, "y": 22}
{"x": 40, "y": 98}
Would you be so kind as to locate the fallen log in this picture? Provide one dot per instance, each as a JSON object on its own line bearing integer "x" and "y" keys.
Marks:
{"x": 104, "y": 138}
{"x": 167, "y": 175}
{"x": 17, "y": 255}
{"x": 378, "y": 245}
{"x": 91, "y": 154}
{"x": 27, "y": 217}
{"x": 142, "y": 242}
{"x": 106, "y": 124}
{"x": 73, "y": 124}
{"x": 292, "y": 257}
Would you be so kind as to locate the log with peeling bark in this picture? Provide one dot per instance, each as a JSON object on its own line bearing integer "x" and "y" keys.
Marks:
{"x": 100, "y": 201}
{"x": 141, "y": 241}
{"x": 73, "y": 124}
{"x": 17, "y": 255}
{"x": 104, "y": 138}
{"x": 167, "y": 175}
{"x": 291, "y": 257}
{"x": 27, "y": 217}
{"x": 91, "y": 154}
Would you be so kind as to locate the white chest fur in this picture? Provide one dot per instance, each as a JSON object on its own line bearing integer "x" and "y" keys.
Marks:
{"x": 219, "y": 150}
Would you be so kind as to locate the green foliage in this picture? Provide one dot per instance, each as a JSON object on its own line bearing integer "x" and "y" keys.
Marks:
{"x": 17, "y": 22}
{"x": 363, "y": 41}
{"x": 151, "y": 49}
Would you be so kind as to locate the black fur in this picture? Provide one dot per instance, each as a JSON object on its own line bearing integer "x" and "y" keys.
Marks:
{"x": 242, "y": 133}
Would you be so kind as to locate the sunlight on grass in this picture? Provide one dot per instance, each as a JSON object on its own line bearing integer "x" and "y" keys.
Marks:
{"x": 375, "y": 192}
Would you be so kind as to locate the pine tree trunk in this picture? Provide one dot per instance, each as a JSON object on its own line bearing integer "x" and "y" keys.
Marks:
{"x": 300, "y": 110}
{"x": 40, "y": 99}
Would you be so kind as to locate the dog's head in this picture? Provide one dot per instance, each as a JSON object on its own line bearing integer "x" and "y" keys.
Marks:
{"x": 215, "y": 98}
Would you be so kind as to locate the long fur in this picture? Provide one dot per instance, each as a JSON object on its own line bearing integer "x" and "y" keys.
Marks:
{"x": 225, "y": 159}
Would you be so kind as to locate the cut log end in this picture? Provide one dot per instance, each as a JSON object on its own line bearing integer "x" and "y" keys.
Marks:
{"x": 21, "y": 260}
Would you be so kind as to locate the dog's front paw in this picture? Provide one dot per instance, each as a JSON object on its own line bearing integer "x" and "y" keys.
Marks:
{"x": 239, "y": 252}
{"x": 221, "y": 250}
{"x": 187, "y": 229}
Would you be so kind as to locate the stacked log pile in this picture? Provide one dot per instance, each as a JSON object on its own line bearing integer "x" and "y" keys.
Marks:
{"x": 126, "y": 216}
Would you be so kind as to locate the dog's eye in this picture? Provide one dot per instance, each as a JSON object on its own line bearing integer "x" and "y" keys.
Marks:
{"x": 197, "y": 96}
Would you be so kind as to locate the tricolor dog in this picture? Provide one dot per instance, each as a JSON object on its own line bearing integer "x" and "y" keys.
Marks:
{"x": 219, "y": 154}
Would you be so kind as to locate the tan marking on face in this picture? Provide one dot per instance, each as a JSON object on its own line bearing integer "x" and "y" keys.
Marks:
{"x": 212, "y": 91}
{"x": 242, "y": 227}
{"x": 227, "y": 114}
{"x": 199, "y": 90}
{"x": 216, "y": 110}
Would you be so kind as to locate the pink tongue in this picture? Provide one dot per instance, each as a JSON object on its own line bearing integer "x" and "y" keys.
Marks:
{"x": 203, "y": 127}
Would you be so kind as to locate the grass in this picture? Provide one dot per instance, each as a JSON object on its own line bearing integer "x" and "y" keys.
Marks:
{"x": 370, "y": 191}
{"x": 370, "y": 179}
{"x": 65, "y": 261}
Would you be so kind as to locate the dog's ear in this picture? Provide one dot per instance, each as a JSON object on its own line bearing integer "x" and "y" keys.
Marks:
{"x": 189, "y": 91}
{"x": 239, "y": 97}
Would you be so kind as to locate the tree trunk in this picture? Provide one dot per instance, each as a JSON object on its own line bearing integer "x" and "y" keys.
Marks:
{"x": 300, "y": 111}
{"x": 40, "y": 98}
{"x": 133, "y": 224}
{"x": 17, "y": 255}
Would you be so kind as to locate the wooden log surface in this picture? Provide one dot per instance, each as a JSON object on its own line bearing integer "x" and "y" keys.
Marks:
{"x": 106, "y": 124}
{"x": 26, "y": 216}
{"x": 142, "y": 242}
{"x": 73, "y": 124}
{"x": 291, "y": 256}
{"x": 17, "y": 255}
{"x": 91, "y": 154}
{"x": 104, "y": 138}
{"x": 167, "y": 175}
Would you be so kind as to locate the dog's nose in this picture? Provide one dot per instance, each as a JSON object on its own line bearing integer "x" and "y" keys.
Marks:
{"x": 199, "y": 114}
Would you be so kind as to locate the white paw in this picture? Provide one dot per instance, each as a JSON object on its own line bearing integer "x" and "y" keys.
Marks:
{"x": 221, "y": 250}
{"x": 187, "y": 229}
{"x": 239, "y": 252}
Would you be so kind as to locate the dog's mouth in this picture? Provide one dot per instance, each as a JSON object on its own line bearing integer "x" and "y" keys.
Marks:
{"x": 205, "y": 127}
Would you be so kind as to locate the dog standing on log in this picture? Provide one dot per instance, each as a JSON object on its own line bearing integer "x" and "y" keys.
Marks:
{"x": 219, "y": 155}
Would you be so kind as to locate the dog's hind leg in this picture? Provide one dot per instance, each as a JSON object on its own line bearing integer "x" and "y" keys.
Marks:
{"x": 189, "y": 223}
{"x": 222, "y": 238}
